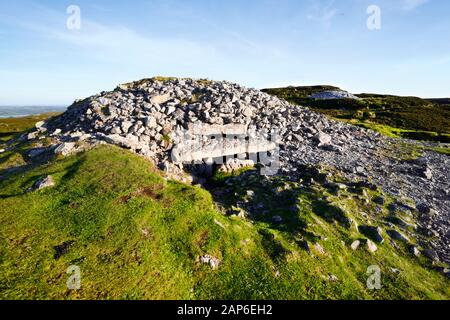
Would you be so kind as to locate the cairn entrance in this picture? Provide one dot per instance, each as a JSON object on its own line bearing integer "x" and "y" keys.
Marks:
{"x": 205, "y": 148}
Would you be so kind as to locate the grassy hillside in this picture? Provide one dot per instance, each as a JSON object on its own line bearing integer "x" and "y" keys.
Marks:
{"x": 406, "y": 117}
{"x": 135, "y": 235}
{"x": 9, "y": 127}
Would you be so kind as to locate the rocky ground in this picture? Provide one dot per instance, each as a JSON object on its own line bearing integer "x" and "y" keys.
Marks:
{"x": 147, "y": 117}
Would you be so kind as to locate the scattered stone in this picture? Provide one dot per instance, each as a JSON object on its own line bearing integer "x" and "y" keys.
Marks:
{"x": 65, "y": 149}
{"x": 359, "y": 169}
{"x": 145, "y": 232}
{"x": 341, "y": 186}
{"x": 431, "y": 254}
{"x": 125, "y": 126}
{"x": 373, "y": 233}
{"x": 248, "y": 112}
{"x": 319, "y": 249}
{"x": 43, "y": 183}
{"x": 415, "y": 251}
{"x": 250, "y": 193}
{"x": 160, "y": 99}
{"x": 427, "y": 173}
{"x": 32, "y": 135}
{"x": 170, "y": 110}
{"x": 371, "y": 247}
{"x": 355, "y": 245}
{"x": 56, "y": 132}
{"x": 212, "y": 261}
{"x": 150, "y": 122}
{"x": 103, "y": 101}
{"x": 333, "y": 95}
{"x": 322, "y": 139}
{"x": 40, "y": 124}
{"x": 333, "y": 278}
{"x": 395, "y": 235}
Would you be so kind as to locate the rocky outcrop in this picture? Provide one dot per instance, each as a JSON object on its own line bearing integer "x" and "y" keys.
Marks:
{"x": 331, "y": 95}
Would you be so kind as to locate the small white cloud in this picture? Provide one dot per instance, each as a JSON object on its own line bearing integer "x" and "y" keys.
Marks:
{"x": 323, "y": 13}
{"x": 112, "y": 43}
{"x": 409, "y": 5}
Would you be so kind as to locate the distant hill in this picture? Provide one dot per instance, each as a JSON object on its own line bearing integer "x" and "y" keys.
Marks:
{"x": 407, "y": 117}
{"x": 22, "y": 111}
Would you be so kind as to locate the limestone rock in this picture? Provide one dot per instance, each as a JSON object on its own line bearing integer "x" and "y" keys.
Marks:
{"x": 322, "y": 139}
{"x": 43, "y": 183}
{"x": 431, "y": 254}
{"x": 395, "y": 235}
{"x": 371, "y": 247}
{"x": 355, "y": 245}
{"x": 65, "y": 148}
{"x": 333, "y": 94}
{"x": 160, "y": 99}
{"x": 415, "y": 251}
{"x": 319, "y": 249}
{"x": 40, "y": 124}
{"x": 373, "y": 233}
{"x": 212, "y": 261}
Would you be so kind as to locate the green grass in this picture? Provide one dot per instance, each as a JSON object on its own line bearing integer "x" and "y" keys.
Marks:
{"x": 10, "y": 127}
{"x": 392, "y": 132}
{"x": 394, "y": 116}
{"x": 407, "y": 134}
{"x": 442, "y": 150}
{"x": 135, "y": 235}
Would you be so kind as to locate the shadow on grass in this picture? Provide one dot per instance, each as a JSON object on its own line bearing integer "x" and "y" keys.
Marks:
{"x": 330, "y": 213}
{"x": 275, "y": 205}
{"x": 11, "y": 173}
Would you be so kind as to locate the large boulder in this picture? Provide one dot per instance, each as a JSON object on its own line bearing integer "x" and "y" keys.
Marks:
{"x": 42, "y": 183}
{"x": 322, "y": 139}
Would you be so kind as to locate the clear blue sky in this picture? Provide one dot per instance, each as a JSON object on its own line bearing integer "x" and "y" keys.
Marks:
{"x": 258, "y": 43}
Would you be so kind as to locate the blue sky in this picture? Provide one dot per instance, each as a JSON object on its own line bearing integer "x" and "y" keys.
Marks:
{"x": 258, "y": 43}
